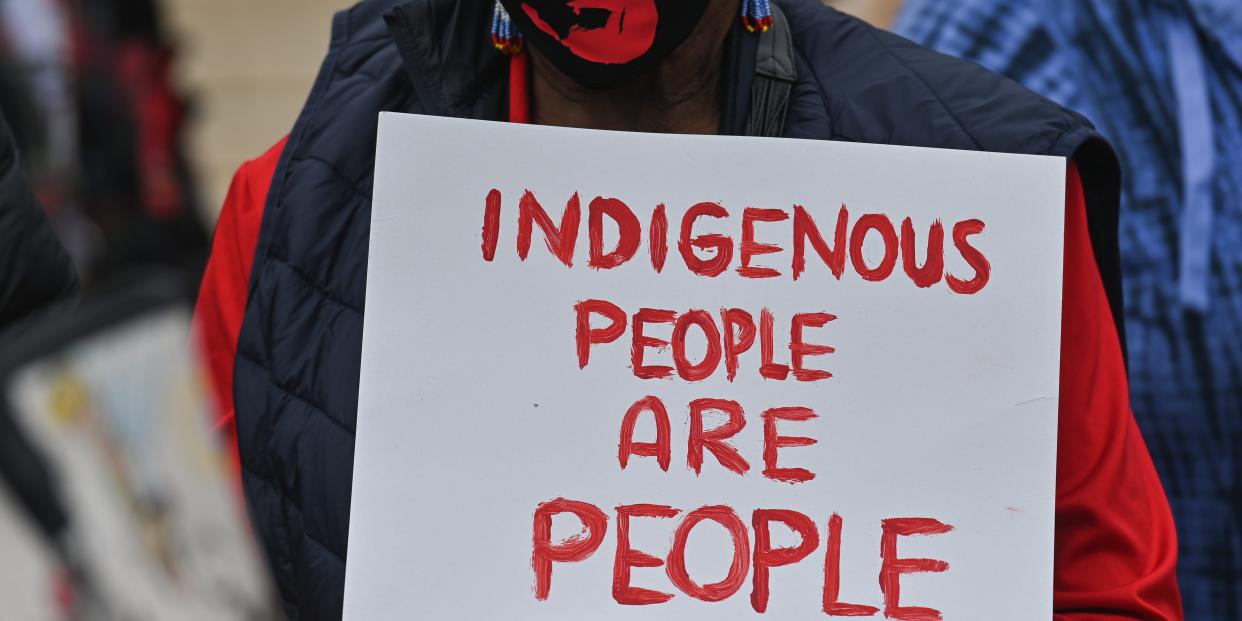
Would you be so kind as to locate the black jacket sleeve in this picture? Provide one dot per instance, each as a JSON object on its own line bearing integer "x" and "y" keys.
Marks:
{"x": 35, "y": 270}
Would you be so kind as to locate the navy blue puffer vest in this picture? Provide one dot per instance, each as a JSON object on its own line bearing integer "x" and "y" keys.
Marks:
{"x": 296, "y": 377}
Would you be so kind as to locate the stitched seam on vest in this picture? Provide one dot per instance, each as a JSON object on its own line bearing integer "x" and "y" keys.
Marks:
{"x": 286, "y": 502}
{"x": 1056, "y": 142}
{"x": 369, "y": 76}
{"x": 369, "y": 55}
{"x": 316, "y": 287}
{"x": 306, "y": 401}
{"x": 353, "y": 185}
{"x": 406, "y": 48}
{"x": 317, "y": 408}
{"x": 306, "y": 534}
{"x": 819, "y": 87}
{"x": 340, "y": 560}
{"x": 378, "y": 37}
{"x": 283, "y": 500}
{"x": 919, "y": 77}
{"x": 255, "y": 473}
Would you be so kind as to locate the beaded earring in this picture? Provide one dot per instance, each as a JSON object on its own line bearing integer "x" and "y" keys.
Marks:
{"x": 756, "y": 15}
{"x": 505, "y": 37}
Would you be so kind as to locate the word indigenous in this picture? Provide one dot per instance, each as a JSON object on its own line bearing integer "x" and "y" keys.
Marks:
{"x": 711, "y": 254}
{"x": 728, "y": 335}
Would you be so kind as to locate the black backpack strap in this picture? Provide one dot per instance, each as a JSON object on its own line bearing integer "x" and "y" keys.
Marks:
{"x": 775, "y": 73}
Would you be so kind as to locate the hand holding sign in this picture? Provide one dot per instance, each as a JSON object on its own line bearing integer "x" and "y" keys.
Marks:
{"x": 702, "y": 398}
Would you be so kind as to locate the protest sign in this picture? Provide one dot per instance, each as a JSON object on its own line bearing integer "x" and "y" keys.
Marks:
{"x": 629, "y": 376}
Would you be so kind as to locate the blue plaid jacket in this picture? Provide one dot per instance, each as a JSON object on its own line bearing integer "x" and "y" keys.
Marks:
{"x": 1162, "y": 79}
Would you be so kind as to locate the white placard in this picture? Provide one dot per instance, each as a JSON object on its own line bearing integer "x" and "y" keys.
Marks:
{"x": 935, "y": 436}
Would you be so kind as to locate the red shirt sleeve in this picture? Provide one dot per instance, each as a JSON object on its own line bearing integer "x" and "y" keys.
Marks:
{"x": 1116, "y": 547}
{"x": 222, "y": 295}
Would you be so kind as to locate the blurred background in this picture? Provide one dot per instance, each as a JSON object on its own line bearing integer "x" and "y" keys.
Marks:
{"x": 248, "y": 77}
{"x": 132, "y": 116}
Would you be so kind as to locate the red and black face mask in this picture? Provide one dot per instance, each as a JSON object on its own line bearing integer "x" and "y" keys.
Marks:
{"x": 602, "y": 43}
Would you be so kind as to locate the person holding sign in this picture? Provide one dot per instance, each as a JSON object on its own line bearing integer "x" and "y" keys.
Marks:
{"x": 282, "y": 300}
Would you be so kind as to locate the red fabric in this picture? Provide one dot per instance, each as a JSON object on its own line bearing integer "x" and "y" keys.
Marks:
{"x": 222, "y": 295}
{"x": 143, "y": 69}
{"x": 1116, "y": 547}
{"x": 519, "y": 98}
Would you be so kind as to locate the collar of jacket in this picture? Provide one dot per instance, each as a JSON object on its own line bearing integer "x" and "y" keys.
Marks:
{"x": 448, "y": 56}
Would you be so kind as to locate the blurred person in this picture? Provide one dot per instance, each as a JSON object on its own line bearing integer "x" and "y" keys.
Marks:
{"x": 134, "y": 182}
{"x": 105, "y": 127}
{"x": 36, "y": 274}
{"x": 281, "y": 304}
{"x": 1163, "y": 79}
{"x": 35, "y": 271}
{"x": 37, "y": 36}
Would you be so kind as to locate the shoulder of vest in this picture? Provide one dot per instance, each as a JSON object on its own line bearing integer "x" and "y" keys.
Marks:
{"x": 359, "y": 77}
{"x": 882, "y": 88}
{"x": 362, "y": 23}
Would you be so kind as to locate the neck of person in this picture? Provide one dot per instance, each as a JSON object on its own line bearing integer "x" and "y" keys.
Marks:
{"x": 682, "y": 94}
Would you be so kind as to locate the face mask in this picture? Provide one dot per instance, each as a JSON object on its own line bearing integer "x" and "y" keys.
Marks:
{"x": 603, "y": 43}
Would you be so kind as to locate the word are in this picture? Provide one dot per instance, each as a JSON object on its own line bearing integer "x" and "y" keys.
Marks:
{"x": 716, "y": 439}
